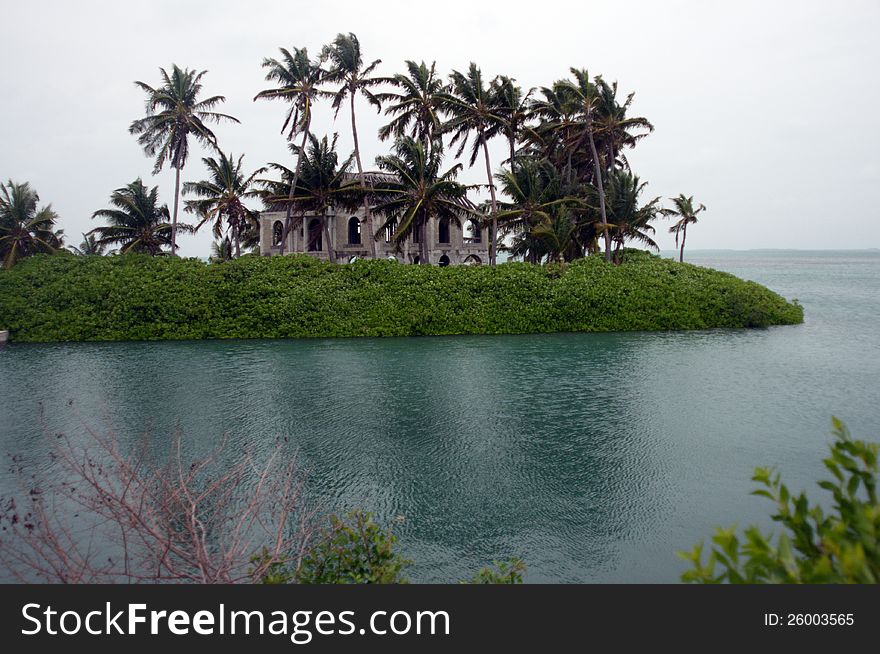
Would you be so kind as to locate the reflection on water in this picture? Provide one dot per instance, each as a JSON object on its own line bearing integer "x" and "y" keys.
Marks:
{"x": 593, "y": 457}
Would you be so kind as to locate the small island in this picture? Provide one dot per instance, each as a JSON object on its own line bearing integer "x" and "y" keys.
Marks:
{"x": 403, "y": 249}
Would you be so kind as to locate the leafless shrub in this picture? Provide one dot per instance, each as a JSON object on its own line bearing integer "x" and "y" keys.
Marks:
{"x": 112, "y": 517}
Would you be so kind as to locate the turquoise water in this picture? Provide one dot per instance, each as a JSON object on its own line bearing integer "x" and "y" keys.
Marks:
{"x": 594, "y": 457}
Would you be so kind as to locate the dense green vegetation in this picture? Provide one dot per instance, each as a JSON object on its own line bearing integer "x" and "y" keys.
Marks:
{"x": 136, "y": 297}
{"x": 816, "y": 546}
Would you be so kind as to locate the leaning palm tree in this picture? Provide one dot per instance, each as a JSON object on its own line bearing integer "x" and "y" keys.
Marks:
{"x": 88, "y": 247}
{"x": 473, "y": 109}
{"x": 347, "y": 68}
{"x": 298, "y": 81}
{"x": 585, "y": 94}
{"x": 221, "y": 198}
{"x": 137, "y": 222}
{"x": 174, "y": 114}
{"x": 416, "y": 191}
{"x": 415, "y": 107}
{"x": 24, "y": 229}
{"x": 687, "y": 215}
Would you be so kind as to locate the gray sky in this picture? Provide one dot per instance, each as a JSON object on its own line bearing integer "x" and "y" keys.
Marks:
{"x": 753, "y": 102}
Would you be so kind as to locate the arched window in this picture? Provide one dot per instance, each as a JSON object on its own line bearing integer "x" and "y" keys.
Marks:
{"x": 476, "y": 233}
{"x": 473, "y": 260}
{"x": 389, "y": 231}
{"x": 443, "y": 231}
{"x": 354, "y": 231}
{"x": 315, "y": 244}
{"x": 277, "y": 232}
{"x": 444, "y": 261}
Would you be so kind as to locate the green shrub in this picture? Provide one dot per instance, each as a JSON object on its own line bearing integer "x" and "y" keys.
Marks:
{"x": 356, "y": 550}
{"x": 510, "y": 571}
{"x": 136, "y": 297}
{"x": 353, "y": 550}
{"x": 842, "y": 546}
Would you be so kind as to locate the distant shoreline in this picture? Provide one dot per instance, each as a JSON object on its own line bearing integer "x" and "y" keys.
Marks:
{"x": 692, "y": 252}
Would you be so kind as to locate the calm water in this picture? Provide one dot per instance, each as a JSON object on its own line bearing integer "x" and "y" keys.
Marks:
{"x": 593, "y": 457}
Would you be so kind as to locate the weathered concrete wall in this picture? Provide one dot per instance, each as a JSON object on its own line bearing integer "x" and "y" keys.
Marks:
{"x": 459, "y": 249}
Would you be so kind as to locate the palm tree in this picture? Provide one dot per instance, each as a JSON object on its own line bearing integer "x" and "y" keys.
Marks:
{"x": 416, "y": 107}
{"x": 553, "y": 136}
{"x": 89, "y": 247}
{"x": 473, "y": 109}
{"x": 513, "y": 107}
{"x": 323, "y": 185}
{"x": 24, "y": 229}
{"x": 137, "y": 223}
{"x": 586, "y": 94}
{"x": 614, "y": 126}
{"x": 174, "y": 114}
{"x": 536, "y": 191}
{"x": 223, "y": 249}
{"x": 417, "y": 191}
{"x": 298, "y": 81}
{"x": 527, "y": 246}
{"x": 558, "y": 236}
{"x": 347, "y": 68}
{"x": 687, "y": 214}
{"x": 221, "y": 198}
{"x": 630, "y": 220}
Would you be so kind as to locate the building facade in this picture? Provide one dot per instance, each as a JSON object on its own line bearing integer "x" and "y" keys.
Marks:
{"x": 449, "y": 244}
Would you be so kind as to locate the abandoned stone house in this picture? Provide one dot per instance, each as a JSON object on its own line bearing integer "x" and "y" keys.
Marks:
{"x": 449, "y": 244}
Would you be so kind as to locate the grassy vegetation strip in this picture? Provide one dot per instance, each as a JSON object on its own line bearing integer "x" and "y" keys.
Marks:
{"x": 134, "y": 297}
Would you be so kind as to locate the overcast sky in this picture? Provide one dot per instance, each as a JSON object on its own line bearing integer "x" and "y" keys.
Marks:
{"x": 764, "y": 111}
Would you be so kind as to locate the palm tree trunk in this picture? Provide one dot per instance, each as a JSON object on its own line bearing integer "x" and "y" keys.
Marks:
{"x": 357, "y": 157}
{"x": 512, "y": 139}
{"x": 423, "y": 242}
{"x": 568, "y": 170}
{"x": 684, "y": 233}
{"x": 174, "y": 217}
{"x": 493, "y": 243}
{"x": 331, "y": 253}
{"x": 597, "y": 169}
{"x": 288, "y": 218}
{"x": 427, "y": 139}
